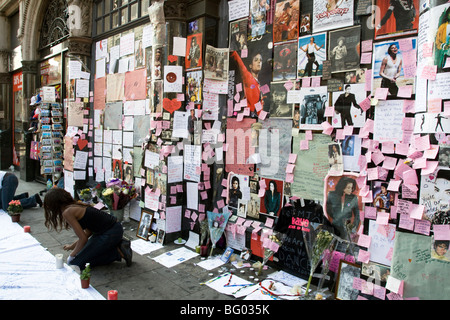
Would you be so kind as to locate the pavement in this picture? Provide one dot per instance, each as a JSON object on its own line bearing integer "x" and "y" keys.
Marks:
{"x": 145, "y": 279}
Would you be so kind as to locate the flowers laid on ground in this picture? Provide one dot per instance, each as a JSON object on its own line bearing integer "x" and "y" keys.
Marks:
{"x": 14, "y": 208}
{"x": 117, "y": 194}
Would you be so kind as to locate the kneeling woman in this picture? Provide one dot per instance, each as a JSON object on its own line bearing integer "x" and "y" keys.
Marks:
{"x": 99, "y": 234}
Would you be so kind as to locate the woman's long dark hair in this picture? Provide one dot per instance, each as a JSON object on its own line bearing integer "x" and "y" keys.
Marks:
{"x": 54, "y": 200}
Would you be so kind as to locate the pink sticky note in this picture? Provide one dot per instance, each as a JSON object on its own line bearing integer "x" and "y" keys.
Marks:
{"x": 304, "y": 145}
{"x": 366, "y": 57}
{"x": 292, "y": 158}
{"x": 382, "y": 218}
{"x": 404, "y": 91}
{"x": 381, "y": 93}
{"x": 417, "y": 211}
{"x": 363, "y": 256}
{"x": 429, "y": 72}
{"x": 441, "y": 231}
{"x": 364, "y": 240}
{"x": 262, "y": 114}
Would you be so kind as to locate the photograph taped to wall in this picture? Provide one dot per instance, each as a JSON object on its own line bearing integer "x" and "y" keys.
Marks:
{"x": 343, "y": 203}
{"x": 238, "y": 35}
{"x": 310, "y": 54}
{"x": 279, "y": 108}
{"x": 272, "y": 201}
{"x": 344, "y": 49}
{"x": 285, "y": 26}
{"x": 346, "y": 106}
{"x": 194, "y": 86}
{"x": 284, "y": 61}
{"x": 396, "y": 18}
{"x": 254, "y": 72}
{"x": 312, "y": 107}
{"x": 261, "y": 15}
{"x": 393, "y": 67}
{"x": 194, "y": 51}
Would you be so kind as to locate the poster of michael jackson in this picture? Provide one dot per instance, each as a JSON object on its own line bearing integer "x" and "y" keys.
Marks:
{"x": 396, "y": 18}
{"x": 253, "y": 72}
{"x": 332, "y": 14}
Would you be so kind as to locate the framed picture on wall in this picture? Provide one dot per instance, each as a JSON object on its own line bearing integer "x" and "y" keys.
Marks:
{"x": 145, "y": 224}
{"x": 344, "y": 283}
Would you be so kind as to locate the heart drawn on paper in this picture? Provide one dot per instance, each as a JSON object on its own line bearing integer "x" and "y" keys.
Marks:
{"x": 171, "y": 105}
{"x": 82, "y": 143}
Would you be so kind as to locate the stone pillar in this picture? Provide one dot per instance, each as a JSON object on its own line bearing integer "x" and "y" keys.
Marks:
{"x": 29, "y": 77}
{"x": 5, "y": 95}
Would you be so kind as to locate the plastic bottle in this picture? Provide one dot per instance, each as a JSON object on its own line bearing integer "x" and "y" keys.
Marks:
{"x": 49, "y": 184}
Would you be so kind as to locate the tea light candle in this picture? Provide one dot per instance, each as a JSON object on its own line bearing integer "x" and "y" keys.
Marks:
{"x": 26, "y": 228}
{"x": 242, "y": 271}
{"x": 59, "y": 260}
{"x": 112, "y": 294}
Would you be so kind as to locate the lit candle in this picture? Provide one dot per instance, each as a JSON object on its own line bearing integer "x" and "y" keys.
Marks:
{"x": 112, "y": 294}
{"x": 59, "y": 261}
{"x": 26, "y": 228}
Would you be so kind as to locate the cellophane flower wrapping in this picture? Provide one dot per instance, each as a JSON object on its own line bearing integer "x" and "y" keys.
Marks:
{"x": 217, "y": 222}
{"x": 317, "y": 243}
{"x": 271, "y": 241}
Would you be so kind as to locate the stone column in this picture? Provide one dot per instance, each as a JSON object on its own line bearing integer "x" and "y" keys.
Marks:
{"x": 29, "y": 76}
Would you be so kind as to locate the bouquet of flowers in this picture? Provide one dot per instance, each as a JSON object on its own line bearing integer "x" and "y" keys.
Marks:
{"x": 216, "y": 223}
{"x": 317, "y": 243}
{"x": 117, "y": 194}
{"x": 85, "y": 195}
{"x": 14, "y": 208}
{"x": 270, "y": 244}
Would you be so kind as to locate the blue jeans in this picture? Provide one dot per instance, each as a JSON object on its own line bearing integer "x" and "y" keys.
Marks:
{"x": 101, "y": 249}
{"x": 8, "y": 190}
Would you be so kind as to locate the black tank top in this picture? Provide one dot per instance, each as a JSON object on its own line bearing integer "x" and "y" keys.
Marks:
{"x": 97, "y": 221}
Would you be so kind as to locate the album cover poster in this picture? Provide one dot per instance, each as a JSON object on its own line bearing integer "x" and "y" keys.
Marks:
{"x": 344, "y": 49}
{"x": 305, "y": 23}
{"x": 193, "y": 51}
{"x": 254, "y": 72}
{"x": 287, "y": 16}
{"x": 238, "y": 35}
{"x": 216, "y": 63}
{"x": 285, "y": 61}
{"x": 328, "y": 15}
{"x": 194, "y": 86}
{"x": 312, "y": 107}
{"x": 346, "y": 106}
{"x": 261, "y": 15}
{"x": 396, "y": 18}
{"x": 310, "y": 55}
{"x": 279, "y": 108}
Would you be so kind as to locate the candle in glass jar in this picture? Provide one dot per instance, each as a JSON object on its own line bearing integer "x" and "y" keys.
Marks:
{"x": 112, "y": 294}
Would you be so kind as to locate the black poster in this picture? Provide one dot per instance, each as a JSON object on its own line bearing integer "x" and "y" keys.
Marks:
{"x": 292, "y": 255}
